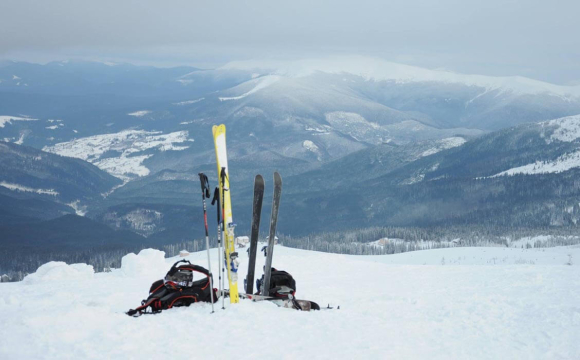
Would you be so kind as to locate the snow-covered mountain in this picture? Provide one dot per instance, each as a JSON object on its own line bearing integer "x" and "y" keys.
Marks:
{"x": 476, "y": 303}
{"x": 435, "y": 97}
{"x": 358, "y": 136}
{"x": 122, "y": 154}
{"x": 523, "y": 176}
{"x": 283, "y": 114}
{"x": 448, "y": 182}
{"x": 374, "y": 69}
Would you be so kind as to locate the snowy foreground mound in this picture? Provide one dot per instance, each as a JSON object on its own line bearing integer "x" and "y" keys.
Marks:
{"x": 459, "y": 303}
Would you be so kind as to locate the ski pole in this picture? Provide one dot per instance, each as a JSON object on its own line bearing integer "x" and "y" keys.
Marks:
{"x": 216, "y": 199}
{"x": 205, "y": 194}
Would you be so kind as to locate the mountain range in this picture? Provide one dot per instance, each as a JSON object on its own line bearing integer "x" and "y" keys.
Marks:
{"x": 359, "y": 142}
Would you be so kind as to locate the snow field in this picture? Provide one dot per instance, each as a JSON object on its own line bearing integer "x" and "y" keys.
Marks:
{"x": 6, "y": 119}
{"x": 139, "y": 113}
{"x": 127, "y": 143}
{"x": 392, "y": 306}
{"x": 444, "y": 144}
{"x": 260, "y": 84}
{"x": 22, "y": 188}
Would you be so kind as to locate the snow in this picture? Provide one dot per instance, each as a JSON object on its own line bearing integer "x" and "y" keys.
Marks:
{"x": 319, "y": 130}
{"x": 7, "y": 119}
{"x": 80, "y": 210}
{"x": 56, "y": 271}
{"x": 52, "y": 127}
{"x": 128, "y": 143}
{"x": 259, "y": 84}
{"x": 414, "y": 179}
{"x": 356, "y": 126}
{"x": 139, "y": 113}
{"x": 149, "y": 263}
{"x": 563, "y": 163}
{"x": 445, "y": 144}
{"x": 312, "y": 147}
{"x": 380, "y": 70}
{"x": 458, "y": 303}
{"x": 309, "y": 145}
{"x": 21, "y": 188}
{"x": 531, "y": 240}
{"x": 421, "y": 244}
{"x": 123, "y": 166}
{"x": 567, "y": 129}
{"x": 20, "y": 140}
{"x": 189, "y": 102}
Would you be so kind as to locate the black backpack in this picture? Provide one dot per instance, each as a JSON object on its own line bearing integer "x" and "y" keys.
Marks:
{"x": 281, "y": 284}
{"x": 177, "y": 289}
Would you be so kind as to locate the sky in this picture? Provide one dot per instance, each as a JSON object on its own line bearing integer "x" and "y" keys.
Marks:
{"x": 537, "y": 39}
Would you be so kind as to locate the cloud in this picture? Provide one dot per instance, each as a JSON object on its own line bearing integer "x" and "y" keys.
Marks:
{"x": 491, "y": 34}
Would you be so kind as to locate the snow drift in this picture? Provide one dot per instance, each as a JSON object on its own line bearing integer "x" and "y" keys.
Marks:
{"x": 456, "y": 303}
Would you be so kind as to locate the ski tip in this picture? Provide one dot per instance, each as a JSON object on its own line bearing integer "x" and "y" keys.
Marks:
{"x": 259, "y": 180}
{"x": 218, "y": 130}
{"x": 277, "y": 177}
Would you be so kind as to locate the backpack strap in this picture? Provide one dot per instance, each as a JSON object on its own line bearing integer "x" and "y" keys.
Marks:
{"x": 173, "y": 269}
{"x": 152, "y": 301}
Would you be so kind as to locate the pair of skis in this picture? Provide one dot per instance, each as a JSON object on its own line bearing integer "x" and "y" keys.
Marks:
{"x": 226, "y": 228}
{"x": 256, "y": 215}
{"x": 227, "y": 225}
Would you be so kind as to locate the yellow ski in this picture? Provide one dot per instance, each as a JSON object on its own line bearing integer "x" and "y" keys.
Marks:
{"x": 219, "y": 137}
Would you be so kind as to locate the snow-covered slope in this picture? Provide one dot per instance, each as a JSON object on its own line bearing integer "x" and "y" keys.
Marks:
{"x": 127, "y": 144}
{"x": 561, "y": 164}
{"x": 522, "y": 305}
{"x": 554, "y": 132}
{"x": 377, "y": 69}
{"x": 565, "y": 129}
{"x": 258, "y": 84}
{"x": 16, "y": 187}
{"x": 6, "y": 119}
{"x": 444, "y": 144}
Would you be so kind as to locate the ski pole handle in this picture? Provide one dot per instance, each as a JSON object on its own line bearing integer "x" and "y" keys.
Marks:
{"x": 204, "y": 194}
{"x": 204, "y": 185}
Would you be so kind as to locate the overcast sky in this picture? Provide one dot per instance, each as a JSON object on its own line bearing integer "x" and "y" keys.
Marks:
{"x": 538, "y": 39}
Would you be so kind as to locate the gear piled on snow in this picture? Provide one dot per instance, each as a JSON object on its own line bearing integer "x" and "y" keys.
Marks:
{"x": 178, "y": 288}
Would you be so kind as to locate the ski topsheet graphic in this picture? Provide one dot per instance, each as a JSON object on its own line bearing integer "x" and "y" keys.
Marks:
{"x": 271, "y": 239}
{"x": 231, "y": 257}
{"x": 256, "y": 214}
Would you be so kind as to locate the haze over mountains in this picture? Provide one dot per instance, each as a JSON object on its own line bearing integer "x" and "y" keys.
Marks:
{"x": 359, "y": 142}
